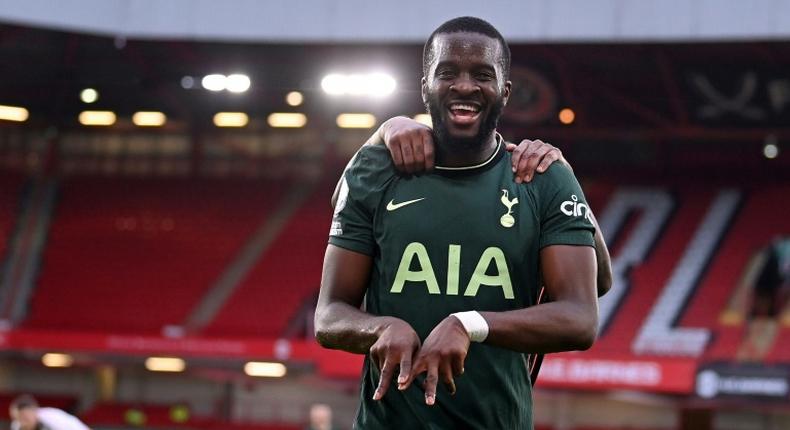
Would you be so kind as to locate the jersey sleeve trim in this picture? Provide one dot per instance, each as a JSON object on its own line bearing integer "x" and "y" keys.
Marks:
{"x": 360, "y": 246}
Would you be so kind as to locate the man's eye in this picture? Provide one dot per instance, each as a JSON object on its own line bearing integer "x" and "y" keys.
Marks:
{"x": 444, "y": 74}
{"x": 485, "y": 76}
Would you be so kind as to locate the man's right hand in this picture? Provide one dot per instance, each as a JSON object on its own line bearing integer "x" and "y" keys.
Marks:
{"x": 410, "y": 143}
{"x": 396, "y": 347}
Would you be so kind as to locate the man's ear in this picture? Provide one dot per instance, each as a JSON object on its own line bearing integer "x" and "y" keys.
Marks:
{"x": 424, "y": 90}
{"x": 506, "y": 95}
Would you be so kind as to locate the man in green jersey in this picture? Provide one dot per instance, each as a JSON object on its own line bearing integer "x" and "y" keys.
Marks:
{"x": 411, "y": 146}
{"x": 449, "y": 263}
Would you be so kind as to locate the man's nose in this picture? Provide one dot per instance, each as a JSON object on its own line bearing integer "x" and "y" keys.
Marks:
{"x": 464, "y": 85}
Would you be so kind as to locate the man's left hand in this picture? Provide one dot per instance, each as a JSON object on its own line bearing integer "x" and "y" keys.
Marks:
{"x": 531, "y": 156}
{"x": 442, "y": 356}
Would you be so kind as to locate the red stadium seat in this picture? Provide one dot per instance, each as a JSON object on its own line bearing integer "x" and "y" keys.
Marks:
{"x": 133, "y": 255}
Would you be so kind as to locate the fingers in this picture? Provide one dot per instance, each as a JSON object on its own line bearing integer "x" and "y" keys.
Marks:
{"x": 384, "y": 380}
{"x": 458, "y": 365}
{"x": 553, "y": 155}
{"x": 395, "y": 152}
{"x": 430, "y": 383}
{"x": 446, "y": 373}
{"x": 533, "y": 159}
{"x": 533, "y": 156}
{"x": 412, "y": 150}
{"x": 408, "y": 157}
{"x": 519, "y": 154}
{"x": 418, "y": 148}
{"x": 428, "y": 149}
{"x": 405, "y": 371}
{"x": 434, "y": 368}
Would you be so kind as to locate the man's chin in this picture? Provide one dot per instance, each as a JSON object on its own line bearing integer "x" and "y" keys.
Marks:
{"x": 463, "y": 135}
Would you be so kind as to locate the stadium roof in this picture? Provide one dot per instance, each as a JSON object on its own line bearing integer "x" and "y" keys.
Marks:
{"x": 408, "y": 20}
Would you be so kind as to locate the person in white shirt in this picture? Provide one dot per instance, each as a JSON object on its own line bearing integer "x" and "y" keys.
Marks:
{"x": 27, "y": 415}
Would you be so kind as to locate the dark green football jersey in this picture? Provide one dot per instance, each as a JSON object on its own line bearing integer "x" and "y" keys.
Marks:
{"x": 455, "y": 240}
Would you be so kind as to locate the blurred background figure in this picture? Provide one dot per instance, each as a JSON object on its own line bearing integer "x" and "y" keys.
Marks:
{"x": 768, "y": 309}
{"x": 320, "y": 417}
{"x": 771, "y": 288}
{"x": 27, "y": 415}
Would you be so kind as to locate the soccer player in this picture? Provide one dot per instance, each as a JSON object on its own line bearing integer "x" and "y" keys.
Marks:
{"x": 411, "y": 147}
{"x": 449, "y": 263}
{"x": 27, "y": 415}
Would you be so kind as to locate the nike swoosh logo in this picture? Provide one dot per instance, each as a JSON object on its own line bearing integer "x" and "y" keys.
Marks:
{"x": 391, "y": 206}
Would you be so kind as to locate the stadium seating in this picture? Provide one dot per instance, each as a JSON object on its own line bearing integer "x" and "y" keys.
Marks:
{"x": 134, "y": 255}
{"x": 647, "y": 278}
{"x": 753, "y": 227}
{"x": 121, "y": 248}
{"x": 10, "y": 197}
{"x": 287, "y": 274}
{"x": 758, "y": 221}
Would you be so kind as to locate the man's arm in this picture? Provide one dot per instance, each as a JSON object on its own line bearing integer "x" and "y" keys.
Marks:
{"x": 340, "y": 324}
{"x": 570, "y": 322}
{"x": 604, "y": 279}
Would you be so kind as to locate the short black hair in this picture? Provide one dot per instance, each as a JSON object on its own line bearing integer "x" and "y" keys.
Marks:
{"x": 466, "y": 24}
{"x": 24, "y": 401}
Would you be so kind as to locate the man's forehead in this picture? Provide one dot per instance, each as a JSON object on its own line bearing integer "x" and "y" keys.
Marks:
{"x": 461, "y": 44}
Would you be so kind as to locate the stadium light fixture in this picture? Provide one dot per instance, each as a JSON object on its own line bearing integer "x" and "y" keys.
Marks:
{"x": 231, "y": 119}
{"x": 424, "y": 118}
{"x": 165, "y": 364}
{"x": 371, "y": 84}
{"x": 187, "y": 82}
{"x": 380, "y": 84}
{"x": 149, "y": 119}
{"x": 334, "y": 84}
{"x": 287, "y": 120}
{"x": 13, "y": 113}
{"x": 294, "y": 98}
{"x": 97, "y": 117}
{"x": 53, "y": 359}
{"x": 214, "y": 82}
{"x": 265, "y": 369}
{"x": 89, "y": 95}
{"x": 237, "y": 83}
{"x": 770, "y": 151}
{"x": 356, "y": 120}
{"x": 567, "y": 116}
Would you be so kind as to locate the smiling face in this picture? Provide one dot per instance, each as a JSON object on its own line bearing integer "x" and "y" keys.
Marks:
{"x": 465, "y": 88}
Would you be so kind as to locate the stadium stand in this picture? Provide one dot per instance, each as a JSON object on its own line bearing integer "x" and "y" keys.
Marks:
{"x": 284, "y": 278}
{"x": 10, "y": 196}
{"x": 130, "y": 224}
{"x": 175, "y": 235}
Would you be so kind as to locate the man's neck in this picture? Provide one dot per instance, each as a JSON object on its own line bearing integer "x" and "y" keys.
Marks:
{"x": 453, "y": 155}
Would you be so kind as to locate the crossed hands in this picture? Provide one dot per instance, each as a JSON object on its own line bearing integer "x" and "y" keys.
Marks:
{"x": 411, "y": 145}
{"x": 440, "y": 357}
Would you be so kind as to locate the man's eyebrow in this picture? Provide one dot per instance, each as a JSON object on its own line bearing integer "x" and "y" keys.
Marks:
{"x": 454, "y": 64}
{"x": 446, "y": 63}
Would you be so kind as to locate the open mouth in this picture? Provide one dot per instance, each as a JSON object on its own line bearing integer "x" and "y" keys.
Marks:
{"x": 464, "y": 113}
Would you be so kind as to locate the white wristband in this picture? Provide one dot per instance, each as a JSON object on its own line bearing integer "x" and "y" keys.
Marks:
{"x": 475, "y": 325}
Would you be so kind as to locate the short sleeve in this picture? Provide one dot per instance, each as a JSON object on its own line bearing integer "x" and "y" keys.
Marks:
{"x": 565, "y": 216}
{"x": 361, "y": 187}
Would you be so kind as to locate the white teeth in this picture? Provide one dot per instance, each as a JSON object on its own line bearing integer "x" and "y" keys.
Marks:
{"x": 459, "y": 106}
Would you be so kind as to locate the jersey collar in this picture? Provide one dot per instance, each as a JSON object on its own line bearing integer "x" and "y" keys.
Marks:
{"x": 490, "y": 161}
